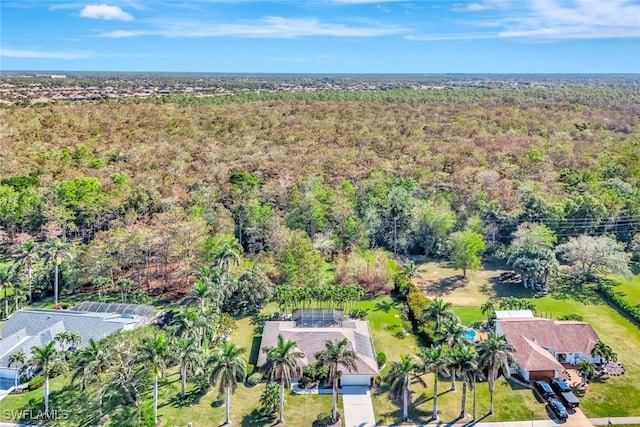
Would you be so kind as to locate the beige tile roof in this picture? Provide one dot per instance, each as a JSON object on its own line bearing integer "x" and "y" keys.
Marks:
{"x": 533, "y": 337}
{"x": 312, "y": 340}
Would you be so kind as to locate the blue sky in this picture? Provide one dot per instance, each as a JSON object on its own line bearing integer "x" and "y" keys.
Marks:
{"x": 322, "y": 36}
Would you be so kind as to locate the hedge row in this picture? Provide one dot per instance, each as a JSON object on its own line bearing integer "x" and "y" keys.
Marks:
{"x": 632, "y": 311}
{"x": 415, "y": 302}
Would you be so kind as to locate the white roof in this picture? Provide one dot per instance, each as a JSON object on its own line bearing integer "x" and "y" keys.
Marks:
{"x": 512, "y": 314}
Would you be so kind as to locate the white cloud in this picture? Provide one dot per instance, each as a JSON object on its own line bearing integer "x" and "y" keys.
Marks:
{"x": 268, "y": 27}
{"x": 13, "y": 53}
{"x": 103, "y": 11}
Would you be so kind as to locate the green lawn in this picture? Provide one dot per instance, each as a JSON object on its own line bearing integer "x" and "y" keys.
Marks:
{"x": 629, "y": 289}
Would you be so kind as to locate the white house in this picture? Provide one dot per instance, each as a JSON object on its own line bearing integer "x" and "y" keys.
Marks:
{"x": 543, "y": 345}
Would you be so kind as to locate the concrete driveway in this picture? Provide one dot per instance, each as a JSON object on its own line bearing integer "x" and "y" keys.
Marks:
{"x": 358, "y": 408}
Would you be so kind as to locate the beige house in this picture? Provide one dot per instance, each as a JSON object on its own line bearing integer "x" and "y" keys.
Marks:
{"x": 543, "y": 345}
{"x": 311, "y": 330}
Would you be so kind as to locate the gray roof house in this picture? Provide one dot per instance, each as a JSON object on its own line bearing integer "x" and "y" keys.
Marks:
{"x": 311, "y": 330}
{"x": 28, "y": 328}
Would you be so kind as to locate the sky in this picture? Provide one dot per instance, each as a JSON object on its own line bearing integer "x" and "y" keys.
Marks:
{"x": 322, "y": 36}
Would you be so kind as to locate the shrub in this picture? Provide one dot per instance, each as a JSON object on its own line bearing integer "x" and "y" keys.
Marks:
{"x": 358, "y": 313}
{"x": 269, "y": 400}
{"x": 36, "y": 383}
{"x": 381, "y": 358}
{"x": 250, "y": 368}
{"x": 417, "y": 302}
{"x": 324, "y": 419}
{"x": 254, "y": 379}
{"x": 571, "y": 316}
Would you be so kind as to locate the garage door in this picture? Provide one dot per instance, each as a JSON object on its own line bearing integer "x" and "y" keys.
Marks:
{"x": 347, "y": 380}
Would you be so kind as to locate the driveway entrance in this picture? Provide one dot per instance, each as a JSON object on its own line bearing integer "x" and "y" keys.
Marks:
{"x": 358, "y": 408}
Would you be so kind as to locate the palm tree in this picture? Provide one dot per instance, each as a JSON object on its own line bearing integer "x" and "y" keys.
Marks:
{"x": 155, "y": 352}
{"x": 463, "y": 361}
{"x": 227, "y": 369}
{"x": 6, "y": 271}
{"x": 488, "y": 310}
{"x": 601, "y": 351}
{"x": 46, "y": 358}
{"x": 19, "y": 357}
{"x": 187, "y": 353}
{"x": 434, "y": 359}
{"x": 452, "y": 334}
{"x": 281, "y": 364}
{"x": 410, "y": 269}
{"x": 399, "y": 380}
{"x": 69, "y": 339}
{"x": 438, "y": 312}
{"x": 495, "y": 354}
{"x": 227, "y": 254}
{"x": 25, "y": 256}
{"x": 91, "y": 362}
{"x": 55, "y": 250}
{"x": 586, "y": 370}
{"x": 334, "y": 356}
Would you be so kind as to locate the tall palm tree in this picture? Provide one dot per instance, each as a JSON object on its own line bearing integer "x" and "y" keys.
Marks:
{"x": 6, "y": 273}
{"x": 46, "y": 358}
{"x": 452, "y": 335}
{"x": 55, "y": 250}
{"x": 155, "y": 352}
{"x": 68, "y": 338}
{"x": 333, "y": 357}
{"x": 399, "y": 380}
{"x": 187, "y": 353}
{"x": 438, "y": 312}
{"x": 465, "y": 364}
{"x": 26, "y": 254}
{"x": 227, "y": 369}
{"x": 227, "y": 254}
{"x": 434, "y": 359}
{"x": 495, "y": 354}
{"x": 91, "y": 362}
{"x": 281, "y": 365}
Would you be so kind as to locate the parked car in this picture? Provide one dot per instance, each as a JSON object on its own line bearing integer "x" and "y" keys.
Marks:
{"x": 559, "y": 386}
{"x": 543, "y": 389}
{"x": 569, "y": 399}
{"x": 558, "y": 409}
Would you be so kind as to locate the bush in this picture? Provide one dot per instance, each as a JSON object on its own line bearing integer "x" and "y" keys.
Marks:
{"x": 359, "y": 313}
{"x": 381, "y": 358}
{"x": 417, "y": 302}
{"x": 270, "y": 399}
{"x": 36, "y": 383}
{"x": 324, "y": 419}
{"x": 254, "y": 379}
{"x": 250, "y": 368}
{"x": 571, "y": 316}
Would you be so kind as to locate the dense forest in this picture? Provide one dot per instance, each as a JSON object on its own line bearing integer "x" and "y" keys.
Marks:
{"x": 147, "y": 189}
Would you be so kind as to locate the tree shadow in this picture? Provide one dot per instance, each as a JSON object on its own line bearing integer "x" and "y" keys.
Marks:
{"x": 386, "y": 306}
{"x": 447, "y": 285}
{"x": 190, "y": 399}
{"x": 258, "y": 418}
{"x": 505, "y": 285}
{"x": 566, "y": 287}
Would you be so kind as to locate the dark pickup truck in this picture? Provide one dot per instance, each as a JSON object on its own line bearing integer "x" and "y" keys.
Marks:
{"x": 564, "y": 392}
{"x": 569, "y": 399}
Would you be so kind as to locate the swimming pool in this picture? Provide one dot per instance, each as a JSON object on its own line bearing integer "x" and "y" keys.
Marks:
{"x": 469, "y": 334}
